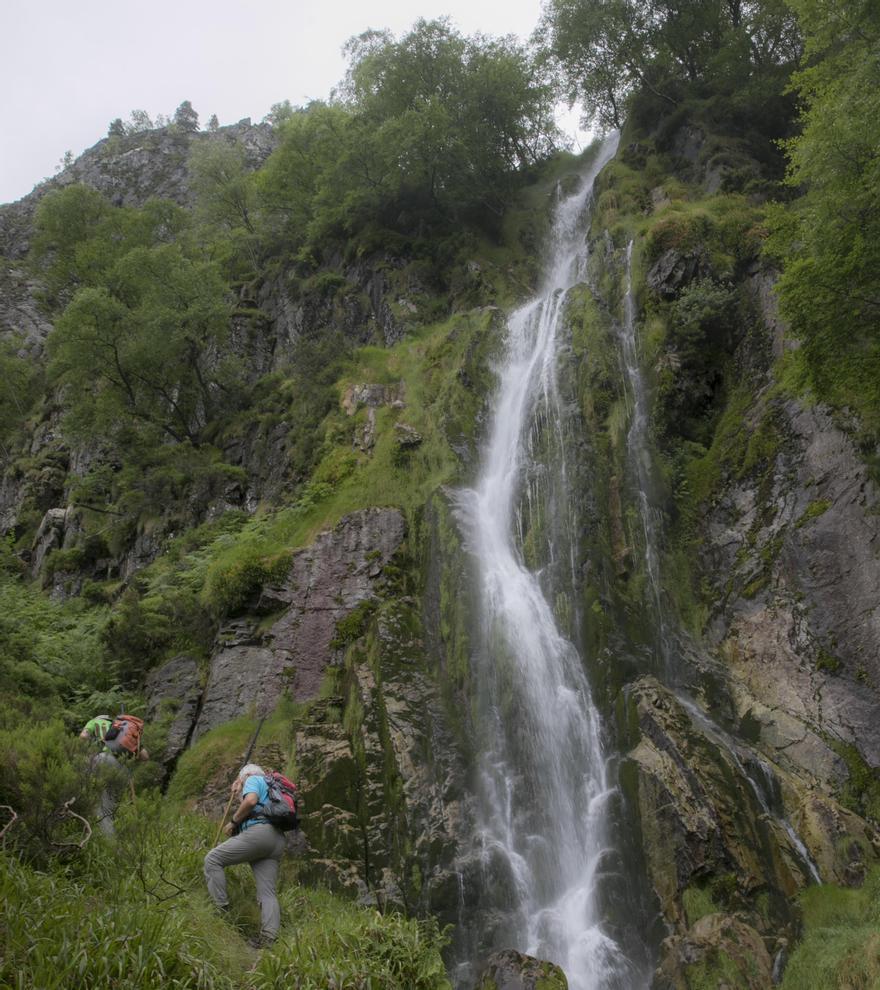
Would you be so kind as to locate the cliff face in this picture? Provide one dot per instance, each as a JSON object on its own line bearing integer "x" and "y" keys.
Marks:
{"x": 747, "y": 696}
{"x": 743, "y": 690}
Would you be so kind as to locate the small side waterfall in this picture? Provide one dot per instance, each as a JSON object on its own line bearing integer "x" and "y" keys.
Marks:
{"x": 754, "y": 770}
{"x": 544, "y": 791}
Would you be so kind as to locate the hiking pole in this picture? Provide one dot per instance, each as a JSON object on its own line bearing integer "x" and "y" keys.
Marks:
{"x": 232, "y": 794}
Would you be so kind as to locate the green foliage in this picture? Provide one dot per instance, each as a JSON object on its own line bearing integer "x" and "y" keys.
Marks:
{"x": 840, "y": 949}
{"x": 141, "y": 349}
{"x": 20, "y": 385}
{"x": 185, "y": 117}
{"x": 666, "y": 49}
{"x": 336, "y": 946}
{"x": 44, "y": 775}
{"x": 432, "y": 128}
{"x": 699, "y": 337}
{"x": 829, "y": 238}
{"x": 48, "y": 652}
{"x": 226, "y": 197}
{"x": 354, "y": 625}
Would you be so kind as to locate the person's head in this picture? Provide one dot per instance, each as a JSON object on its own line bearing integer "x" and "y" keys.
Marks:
{"x": 250, "y": 770}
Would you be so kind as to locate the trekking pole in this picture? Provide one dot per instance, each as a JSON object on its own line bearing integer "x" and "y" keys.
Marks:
{"x": 232, "y": 795}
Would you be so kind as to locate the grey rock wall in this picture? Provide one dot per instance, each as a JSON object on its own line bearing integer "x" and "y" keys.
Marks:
{"x": 326, "y": 582}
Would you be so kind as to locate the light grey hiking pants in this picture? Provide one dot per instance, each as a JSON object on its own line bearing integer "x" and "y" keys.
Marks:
{"x": 260, "y": 845}
{"x": 112, "y": 776}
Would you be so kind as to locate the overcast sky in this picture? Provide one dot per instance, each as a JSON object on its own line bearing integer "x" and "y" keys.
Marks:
{"x": 68, "y": 68}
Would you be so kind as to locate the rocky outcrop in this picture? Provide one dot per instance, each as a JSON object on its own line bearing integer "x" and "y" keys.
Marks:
{"x": 512, "y": 970}
{"x": 372, "y": 301}
{"x": 129, "y": 170}
{"x": 718, "y": 951}
{"x": 701, "y": 809}
{"x": 802, "y": 636}
{"x": 254, "y": 664}
{"x": 673, "y": 270}
{"x": 173, "y": 692}
{"x": 20, "y": 313}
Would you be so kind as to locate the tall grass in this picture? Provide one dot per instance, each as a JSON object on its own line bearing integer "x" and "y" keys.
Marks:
{"x": 134, "y": 912}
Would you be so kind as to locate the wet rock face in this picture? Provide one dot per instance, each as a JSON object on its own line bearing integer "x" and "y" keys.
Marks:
{"x": 727, "y": 833}
{"x": 802, "y": 636}
{"x": 512, "y": 970}
{"x": 173, "y": 693}
{"x": 325, "y": 583}
{"x": 700, "y": 817}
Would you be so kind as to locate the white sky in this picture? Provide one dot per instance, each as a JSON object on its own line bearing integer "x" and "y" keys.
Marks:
{"x": 68, "y": 67}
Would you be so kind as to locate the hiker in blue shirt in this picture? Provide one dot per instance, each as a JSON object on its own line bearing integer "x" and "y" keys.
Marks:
{"x": 253, "y": 840}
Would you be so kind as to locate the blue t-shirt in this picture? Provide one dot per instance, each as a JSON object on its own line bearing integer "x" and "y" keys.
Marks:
{"x": 255, "y": 785}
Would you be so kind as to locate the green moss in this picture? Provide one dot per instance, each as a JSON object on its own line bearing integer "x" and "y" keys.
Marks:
{"x": 861, "y": 792}
{"x": 827, "y": 661}
{"x": 815, "y": 509}
{"x": 353, "y": 625}
{"x": 697, "y": 902}
{"x": 718, "y": 969}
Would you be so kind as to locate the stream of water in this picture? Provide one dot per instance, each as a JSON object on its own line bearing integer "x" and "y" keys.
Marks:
{"x": 544, "y": 790}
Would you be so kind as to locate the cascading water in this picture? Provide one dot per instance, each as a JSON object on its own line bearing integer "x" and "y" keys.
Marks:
{"x": 752, "y": 768}
{"x": 640, "y": 459}
{"x": 544, "y": 792}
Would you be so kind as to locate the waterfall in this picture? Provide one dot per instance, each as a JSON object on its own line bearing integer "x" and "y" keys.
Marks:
{"x": 639, "y": 456}
{"x": 544, "y": 791}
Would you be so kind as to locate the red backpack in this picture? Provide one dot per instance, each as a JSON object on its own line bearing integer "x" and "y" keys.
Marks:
{"x": 281, "y": 807}
{"x": 124, "y": 735}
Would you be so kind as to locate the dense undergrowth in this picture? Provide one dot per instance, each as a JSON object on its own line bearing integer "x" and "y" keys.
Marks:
{"x": 134, "y": 910}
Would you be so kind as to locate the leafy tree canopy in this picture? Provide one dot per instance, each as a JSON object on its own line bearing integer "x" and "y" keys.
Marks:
{"x": 829, "y": 238}
{"x": 607, "y": 49}
{"x": 426, "y": 129}
{"x": 140, "y": 342}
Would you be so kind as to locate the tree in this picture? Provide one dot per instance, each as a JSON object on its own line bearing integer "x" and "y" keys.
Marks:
{"x": 117, "y": 128}
{"x": 19, "y": 378}
{"x": 79, "y": 236}
{"x": 453, "y": 118}
{"x": 226, "y": 194}
{"x": 829, "y": 239}
{"x": 186, "y": 118}
{"x": 145, "y": 347}
{"x": 279, "y": 113}
{"x": 140, "y": 121}
{"x": 608, "y": 49}
{"x": 213, "y": 123}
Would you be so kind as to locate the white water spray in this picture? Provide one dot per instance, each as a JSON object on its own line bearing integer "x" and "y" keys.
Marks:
{"x": 544, "y": 790}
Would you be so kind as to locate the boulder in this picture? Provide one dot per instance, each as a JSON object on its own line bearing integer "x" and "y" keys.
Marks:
{"x": 719, "y": 951}
{"x": 512, "y": 970}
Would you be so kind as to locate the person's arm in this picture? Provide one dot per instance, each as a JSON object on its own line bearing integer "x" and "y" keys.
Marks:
{"x": 243, "y": 811}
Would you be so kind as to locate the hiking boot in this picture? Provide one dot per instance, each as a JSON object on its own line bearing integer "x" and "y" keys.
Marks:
{"x": 260, "y": 942}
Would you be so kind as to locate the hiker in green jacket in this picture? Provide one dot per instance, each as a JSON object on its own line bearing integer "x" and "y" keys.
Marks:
{"x": 253, "y": 840}
{"x": 107, "y": 766}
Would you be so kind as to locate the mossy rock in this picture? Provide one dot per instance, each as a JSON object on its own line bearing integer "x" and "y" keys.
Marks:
{"x": 718, "y": 951}
{"x": 512, "y": 970}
